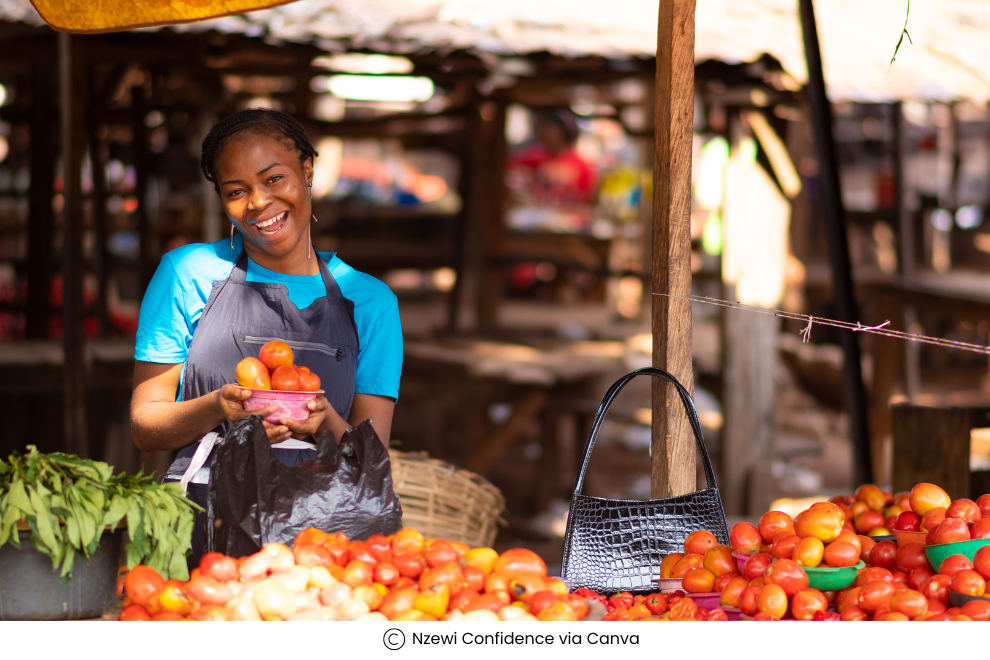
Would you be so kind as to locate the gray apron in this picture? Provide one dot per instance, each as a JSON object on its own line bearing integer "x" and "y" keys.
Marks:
{"x": 239, "y": 318}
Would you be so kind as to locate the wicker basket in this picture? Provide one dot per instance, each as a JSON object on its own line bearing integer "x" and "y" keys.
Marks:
{"x": 444, "y": 501}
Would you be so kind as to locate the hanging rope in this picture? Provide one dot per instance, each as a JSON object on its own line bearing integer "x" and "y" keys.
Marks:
{"x": 881, "y": 329}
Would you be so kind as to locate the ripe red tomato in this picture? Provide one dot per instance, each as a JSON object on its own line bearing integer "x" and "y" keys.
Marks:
{"x": 747, "y": 601}
{"x": 977, "y": 610}
{"x": 387, "y": 574}
{"x": 684, "y": 610}
{"x": 699, "y": 542}
{"x": 474, "y": 577}
{"x": 773, "y": 523}
{"x": 932, "y": 519}
{"x": 983, "y": 501}
{"x": 937, "y": 587}
{"x": 380, "y": 547}
{"x": 204, "y": 589}
{"x": 520, "y": 559}
{"x": 719, "y": 560}
{"x": 839, "y": 554}
{"x": 285, "y": 379}
{"x": 788, "y": 575}
{"x": 252, "y": 373}
{"x": 968, "y": 582}
{"x": 699, "y": 581}
{"x": 908, "y": 521}
{"x": 872, "y": 496}
{"x": 745, "y": 538}
{"x": 873, "y": 574}
{"x": 756, "y": 566}
{"x": 357, "y": 572}
{"x": 854, "y": 614}
{"x": 980, "y": 529}
{"x": 686, "y": 563}
{"x": 311, "y": 555}
{"x": 868, "y": 520}
{"x": 772, "y": 600}
{"x": 909, "y": 602}
{"x": 866, "y": 545}
{"x": 276, "y": 354}
{"x": 308, "y": 381}
{"x": 916, "y": 577}
{"x": 667, "y": 564}
{"x": 911, "y": 556}
{"x": 925, "y": 497}
{"x": 953, "y": 564}
{"x": 141, "y": 583}
{"x": 936, "y": 606}
{"x": 219, "y": 566}
{"x": 783, "y": 547}
{"x": 884, "y": 555}
{"x": 134, "y": 612}
{"x": 359, "y": 550}
{"x": 408, "y": 541}
{"x": 981, "y": 561}
{"x": 438, "y": 552}
{"x": 950, "y": 531}
{"x": 965, "y": 510}
{"x": 733, "y": 591}
{"x": 724, "y": 579}
{"x": 849, "y": 598}
{"x": 806, "y": 603}
{"x": 449, "y": 574}
{"x": 875, "y": 594}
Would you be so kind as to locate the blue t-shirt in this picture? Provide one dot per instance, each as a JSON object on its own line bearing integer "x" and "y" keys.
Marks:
{"x": 181, "y": 286}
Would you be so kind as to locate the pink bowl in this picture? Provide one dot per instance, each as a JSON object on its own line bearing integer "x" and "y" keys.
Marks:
{"x": 290, "y": 404}
{"x": 741, "y": 561}
{"x": 669, "y": 585}
{"x": 706, "y": 601}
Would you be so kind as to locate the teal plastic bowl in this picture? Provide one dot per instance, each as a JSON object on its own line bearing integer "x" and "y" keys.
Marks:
{"x": 938, "y": 553}
{"x": 832, "y": 579}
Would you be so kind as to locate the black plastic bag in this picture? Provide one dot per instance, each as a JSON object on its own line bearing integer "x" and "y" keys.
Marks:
{"x": 254, "y": 499}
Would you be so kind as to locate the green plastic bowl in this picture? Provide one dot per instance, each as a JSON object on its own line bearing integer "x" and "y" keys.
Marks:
{"x": 938, "y": 553}
{"x": 832, "y": 579}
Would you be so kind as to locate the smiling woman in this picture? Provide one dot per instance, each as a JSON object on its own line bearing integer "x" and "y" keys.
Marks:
{"x": 209, "y": 305}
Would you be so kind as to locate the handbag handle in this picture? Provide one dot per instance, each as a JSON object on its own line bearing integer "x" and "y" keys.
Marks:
{"x": 606, "y": 403}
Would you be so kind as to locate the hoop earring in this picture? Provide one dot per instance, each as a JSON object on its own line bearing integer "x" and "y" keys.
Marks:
{"x": 314, "y": 218}
{"x": 232, "y": 237}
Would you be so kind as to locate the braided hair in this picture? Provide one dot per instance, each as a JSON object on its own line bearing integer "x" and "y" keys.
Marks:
{"x": 260, "y": 121}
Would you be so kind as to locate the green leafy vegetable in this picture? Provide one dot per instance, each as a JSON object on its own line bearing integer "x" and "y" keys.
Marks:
{"x": 67, "y": 503}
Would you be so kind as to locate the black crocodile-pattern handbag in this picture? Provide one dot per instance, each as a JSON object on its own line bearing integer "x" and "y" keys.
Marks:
{"x": 617, "y": 545}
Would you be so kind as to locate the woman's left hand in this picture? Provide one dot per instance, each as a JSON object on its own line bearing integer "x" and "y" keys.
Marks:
{"x": 318, "y": 408}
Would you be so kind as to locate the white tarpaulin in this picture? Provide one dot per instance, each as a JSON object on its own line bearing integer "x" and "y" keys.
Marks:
{"x": 950, "y": 57}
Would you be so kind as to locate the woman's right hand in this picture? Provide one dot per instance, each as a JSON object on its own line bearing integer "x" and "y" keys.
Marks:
{"x": 231, "y": 398}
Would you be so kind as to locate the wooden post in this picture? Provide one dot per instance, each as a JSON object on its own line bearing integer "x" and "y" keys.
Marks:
{"x": 673, "y": 449}
{"x": 72, "y": 107}
{"x": 41, "y": 226}
{"x": 838, "y": 248}
{"x": 98, "y": 167}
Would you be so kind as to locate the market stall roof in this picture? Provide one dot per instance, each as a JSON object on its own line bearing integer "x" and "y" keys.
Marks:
{"x": 949, "y": 58}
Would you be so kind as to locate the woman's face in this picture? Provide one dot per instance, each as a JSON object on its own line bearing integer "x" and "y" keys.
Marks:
{"x": 265, "y": 193}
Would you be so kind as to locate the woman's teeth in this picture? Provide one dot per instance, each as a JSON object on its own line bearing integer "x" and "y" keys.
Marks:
{"x": 278, "y": 219}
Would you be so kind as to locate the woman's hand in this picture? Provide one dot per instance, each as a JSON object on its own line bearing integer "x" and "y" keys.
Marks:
{"x": 231, "y": 398}
{"x": 318, "y": 409}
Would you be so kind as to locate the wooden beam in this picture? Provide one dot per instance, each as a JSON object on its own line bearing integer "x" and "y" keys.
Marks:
{"x": 673, "y": 448}
{"x": 72, "y": 102}
{"x": 41, "y": 225}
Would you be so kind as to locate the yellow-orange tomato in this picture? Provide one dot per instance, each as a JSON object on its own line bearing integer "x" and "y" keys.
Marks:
{"x": 806, "y": 603}
{"x": 773, "y": 523}
{"x": 686, "y": 563}
{"x": 699, "y": 542}
{"x": 719, "y": 560}
{"x": 667, "y": 564}
{"x": 932, "y": 518}
{"x": 520, "y": 559}
{"x": 857, "y": 508}
{"x": 909, "y": 602}
{"x": 251, "y": 372}
{"x": 823, "y": 523}
{"x": 481, "y": 558}
{"x": 698, "y": 581}
{"x": 732, "y": 593}
{"x": 772, "y": 600}
{"x": 808, "y": 552}
{"x": 925, "y": 497}
{"x": 408, "y": 541}
{"x": 872, "y": 495}
{"x": 849, "y": 537}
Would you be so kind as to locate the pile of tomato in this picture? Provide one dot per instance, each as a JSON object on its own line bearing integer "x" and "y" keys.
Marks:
{"x": 327, "y": 577}
{"x": 274, "y": 369}
{"x": 896, "y": 582}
